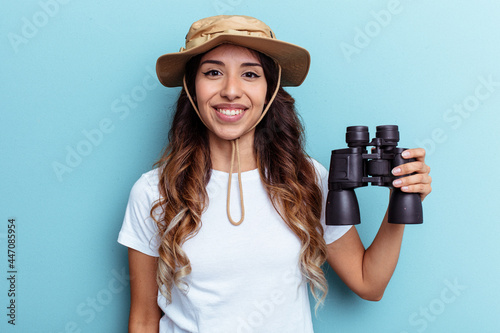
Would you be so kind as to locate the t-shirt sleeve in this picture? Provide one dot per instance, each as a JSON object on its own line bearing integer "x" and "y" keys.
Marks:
{"x": 331, "y": 232}
{"x": 139, "y": 231}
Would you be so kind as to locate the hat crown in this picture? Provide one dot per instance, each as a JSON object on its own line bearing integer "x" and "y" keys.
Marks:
{"x": 210, "y": 27}
{"x": 245, "y": 31}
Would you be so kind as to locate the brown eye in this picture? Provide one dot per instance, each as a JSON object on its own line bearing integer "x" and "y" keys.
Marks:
{"x": 251, "y": 75}
{"x": 212, "y": 72}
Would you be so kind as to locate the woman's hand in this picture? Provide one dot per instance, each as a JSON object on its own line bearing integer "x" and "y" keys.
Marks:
{"x": 420, "y": 182}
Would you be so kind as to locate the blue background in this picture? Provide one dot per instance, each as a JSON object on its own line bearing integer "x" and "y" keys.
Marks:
{"x": 76, "y": 78}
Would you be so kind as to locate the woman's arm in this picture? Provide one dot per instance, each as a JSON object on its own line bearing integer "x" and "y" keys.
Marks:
{"x": 367, "y": 272}
{"x": 144, "y": 311}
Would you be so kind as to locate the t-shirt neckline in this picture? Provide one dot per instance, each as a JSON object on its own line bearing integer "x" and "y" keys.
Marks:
{"x": 245, "y": 175}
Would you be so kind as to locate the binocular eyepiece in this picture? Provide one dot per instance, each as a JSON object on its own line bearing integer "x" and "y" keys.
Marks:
{"x": 354, "y": 167}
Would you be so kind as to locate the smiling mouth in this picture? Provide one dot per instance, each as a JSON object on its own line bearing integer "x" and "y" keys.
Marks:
{"x": 230, "y": 112}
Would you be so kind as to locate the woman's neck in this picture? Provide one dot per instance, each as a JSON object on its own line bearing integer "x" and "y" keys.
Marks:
{"x": 221, "y": 150}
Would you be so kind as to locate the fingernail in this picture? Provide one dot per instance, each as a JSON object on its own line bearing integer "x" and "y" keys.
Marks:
{"x": 397, "y": 182}
{"x": 406, "y": 153}
{"x": 404, "y": 188}
{"x": 396, "y": 171}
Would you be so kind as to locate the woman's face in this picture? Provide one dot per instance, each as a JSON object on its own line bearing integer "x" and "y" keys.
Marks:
{"x": 230, "y": 91}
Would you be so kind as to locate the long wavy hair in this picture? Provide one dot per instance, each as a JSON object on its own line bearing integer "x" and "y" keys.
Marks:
{"x": 286, "y": 170}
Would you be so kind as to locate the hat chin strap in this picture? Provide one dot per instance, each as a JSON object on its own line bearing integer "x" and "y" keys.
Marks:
{"x": 235, "y": 147}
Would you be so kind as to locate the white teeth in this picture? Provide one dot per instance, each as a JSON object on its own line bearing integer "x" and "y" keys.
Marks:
{"x": 228, "y": 112}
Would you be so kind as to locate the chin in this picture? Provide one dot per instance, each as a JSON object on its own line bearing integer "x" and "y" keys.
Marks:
{"x": 230, "y": 136}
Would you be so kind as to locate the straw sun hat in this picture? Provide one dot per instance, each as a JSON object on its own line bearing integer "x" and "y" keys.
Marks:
{"x": 245, "y": 31}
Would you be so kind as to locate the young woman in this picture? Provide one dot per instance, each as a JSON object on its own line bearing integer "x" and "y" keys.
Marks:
{"x": 227, "y": 231}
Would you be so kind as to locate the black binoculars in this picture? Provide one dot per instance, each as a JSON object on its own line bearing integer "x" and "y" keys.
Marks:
{"x": 353, "y": 167}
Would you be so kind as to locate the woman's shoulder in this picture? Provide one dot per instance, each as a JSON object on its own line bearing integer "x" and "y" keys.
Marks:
{"x": 147, "y": 184}
{"x": 151, "y": 178}
{"x": 321, "y": 171}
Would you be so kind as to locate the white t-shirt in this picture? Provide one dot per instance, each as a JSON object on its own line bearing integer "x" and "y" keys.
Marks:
{"x": 244, "y": 279}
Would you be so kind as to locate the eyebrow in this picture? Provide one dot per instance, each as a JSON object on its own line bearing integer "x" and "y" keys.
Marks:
{"x": 217, "y": 62}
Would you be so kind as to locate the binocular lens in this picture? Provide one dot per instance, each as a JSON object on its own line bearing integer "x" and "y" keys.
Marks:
{"x": 389, "y": 133}
{"x": 357, "y": 136}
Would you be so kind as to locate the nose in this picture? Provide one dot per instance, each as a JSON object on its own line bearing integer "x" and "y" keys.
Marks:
{"x": 232, "y": 87}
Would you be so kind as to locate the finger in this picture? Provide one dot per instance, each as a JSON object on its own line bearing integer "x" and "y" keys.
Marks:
{"x": 407, "y": 168}
{"x": 421, "y": 189}
{"x": 412, "y": 180}
{"x": 417, "y": 153}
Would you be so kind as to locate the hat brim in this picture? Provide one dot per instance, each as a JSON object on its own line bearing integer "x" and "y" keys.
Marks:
{"x": 294, "y": 60}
